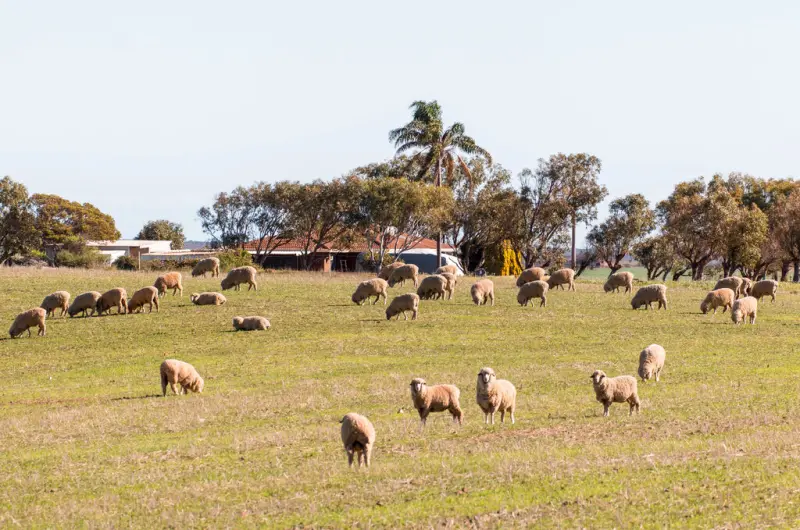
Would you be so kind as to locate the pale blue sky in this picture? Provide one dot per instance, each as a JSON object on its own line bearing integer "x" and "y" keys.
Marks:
{"x": 147, "y": 109}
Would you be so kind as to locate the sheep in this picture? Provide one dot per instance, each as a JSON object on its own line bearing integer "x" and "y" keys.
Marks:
{"x": 561, "y": 277}
{"x": 617, "y": 280}
{"x": 239, "y": 276}
{"x": 358, "y": 437}
{"x": 723, "y": 298}
{"x": 432, "y": 287}
{"x": 618, "y": 389}
{"x": 747, "y": 285}
{"x": 531, "y": 290}
{"x": 531, "y": 275}
{"x": 386, "y": 271}
{"x": 648, "y": 294}
{"x": 764, "y": 288}
{"x": 117, "y": 297}
{"x": 436, "y": 398}
{"x": 651, "y": 362}
{"x": 170, "y": 280}
{"x": 56, "y": 300}
{"x": 368, "y": 288}
{"x": 180, "y": 374}
{"x": 84, "y": 302}
{"x": 452, "y": 269}
{"x": 26, "y": 320}
{"x": 744, "y": 309}
{"x": 734, "y": 283}
{"x": 208, "y": 299}
{"x": 250, "y": 323}
{"x": 206, "y": 265}
{"x": 452, "y": 281}
{"x": 404, "y": 272}
{"x": 482, "y": 291}
{"x": 495, "y": 395}
{"x": 144, "y": 296}
{"x": 401, "y": 304}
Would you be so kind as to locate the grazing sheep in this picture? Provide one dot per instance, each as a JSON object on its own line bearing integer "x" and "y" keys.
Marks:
{"x": 386, "y": 271}
{"x": 113, "y": 298}
{"x": 734, "y": 283}
{"x": 723, "y": 298}
{"x": 358, "y": 437}
{"x": 617, "y": 280}
{"x": 744, "y": 309}
{"x": 26, "y": 320}
{"x": 436, "y": 398}
{"x": 562, "y": 277}
{"x": 239, "y": 276}
{"x": 250, "y": 323}
{"x": 208, "y": 299}
{"x": 452, "y": 281}
{"x": 651, "y": 362}
{"x": 206, "y": 265}
{"x": 452, "y": 269}
{"x": 531, "y": 290}
{"x": 180, "y": 374}
{"x": 618, "y": 389}
{"x": 84, "y": 302}
{"x": 495, "y": 395}
{"x": 146, "y": 296}
{"x": 401, "y": 304}
{"x": 649, "y": 294}
{"x": 432, "y": 287}
{"x": 764, "y": 288}
{"x": 404, "y": 272}
{"x": 56, "y": 300}
{"x": 368, "y": 288}
{"x": 170, "y": 280}
{"x": 531, "y": 275}
{"x": 747, "y": 285}
{"x": 482, "y": 291}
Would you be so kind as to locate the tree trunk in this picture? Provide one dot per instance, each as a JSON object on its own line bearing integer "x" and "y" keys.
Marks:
{"x": 701, "y": 267}
{"x": 438, "y": 234}
{"x": 796, "y": 278}
{"x": 785, "y": 269}
{"x": 574, "y": 252}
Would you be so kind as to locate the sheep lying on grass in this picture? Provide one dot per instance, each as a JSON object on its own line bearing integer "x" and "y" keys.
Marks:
{"x": 112, "y": 298}
{"x": 744, "y": 309}
{"x": 618, "y": 389}
{"x": 368, "y": 288}
{"x": 651, "y": 362}
{"x": 649, "y": 294}
{"x": 358, "y": 437}
{"x": 238, "y": 276}
{"x": 452, "y": 281}
{"x": 208, "y": 299}
{"x": 206, "y": 265}
{"x": 83, "y": 303}
{"x": 764, "y": 288}
{"x": 432, "y": 287}
{"x": 482, "y": 291}
{"x": 401, "y": 304}
{"x": 28, "y": 319}
{"x": 147, "y": 296}
{"x": 723, "y": 298}
{"x": 531, "y": 290}
{"x": 170, "y": 280}
{"x": 734, "y": 283}
{"x": 436, "y": 398}
{"x": 531, "y": 275}
{"x": 56, "y": 300}
{"x": 562, "y": 277}
{"x": 618, "y": 280}
{"x": 495, "y": 395}
{"x": 181, "y": 377}
{"x": 250, "y": 323}
{"x": 404, "y": 272}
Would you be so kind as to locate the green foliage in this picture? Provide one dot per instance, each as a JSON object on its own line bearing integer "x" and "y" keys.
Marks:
{"x": 233, "y": 258}
{"x": 161, "y": 230}
{"x": 60, "y": 221}
{"x": 629, "y": 221}
{"x": 503, "y": 260}
{"x": 18, "y": 234}
{"x": 77, "y": 255}
{"x": 126, "y": 263}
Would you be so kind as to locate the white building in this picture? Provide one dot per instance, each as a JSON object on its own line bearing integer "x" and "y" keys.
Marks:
{"x": 134, "y": 248}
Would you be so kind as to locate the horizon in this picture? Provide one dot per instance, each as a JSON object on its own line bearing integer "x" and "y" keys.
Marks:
{"x": 149, "y": 114}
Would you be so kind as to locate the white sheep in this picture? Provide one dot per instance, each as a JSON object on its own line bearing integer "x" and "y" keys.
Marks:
{"x": 723, "y": 298}
{"x": 436, "y": 398}
{"x": 206, "y": 265}
{"x": 170, "y": 280}
{"x": 734, "y": 283}
{"x": 401, "y": 304}
{"x": 432, "y": 287}
{"x": 747, "y": 285}
{"x": 368, "y": 288}
{"x": 181, "y": 377}
{"x": 208, "y": 298}
{"x": 618, "y": 280}
{"x": 744, "y": 309}
{"x": 531, "y": 275}
{"x": 482, "y": 291}
{"x": 407, "y": 271}
{"x": 250, "y": 323}
{"x": 28, "y": 319}
{"x": 618, "y": 389}
{"x": 238, "y": 276}
{"x": 386, "y": 271}
{"x": 648, "y": 294}
{"x": 562, "y": 277}
{"x": 452, "y": 281}
{"x": 452, "y": 269}
{"x": 651, "y": 362}
{"x": 56, "y": 300}
{"x": 358, "y": 437}
{"x": 84, "y": 303}
{"x": 764, "y": 288}
{"x": 117, "y": 297}
{"x": 531, "y": 290}
{"x": 495, "y": 395}
{"x": 146, "y": 296}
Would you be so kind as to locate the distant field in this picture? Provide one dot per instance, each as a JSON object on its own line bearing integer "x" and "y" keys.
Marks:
{"x": 87, "y": 441}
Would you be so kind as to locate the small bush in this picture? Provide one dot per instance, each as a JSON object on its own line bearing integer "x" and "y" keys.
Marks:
{"x": 370, "y": 263}
{"x": 125, "y": 263}
{"x": 85, "y": 258}
{"x": 231, "y": 259}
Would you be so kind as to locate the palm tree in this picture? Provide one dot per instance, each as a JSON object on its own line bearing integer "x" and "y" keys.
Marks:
{"x": 435, "y": 148}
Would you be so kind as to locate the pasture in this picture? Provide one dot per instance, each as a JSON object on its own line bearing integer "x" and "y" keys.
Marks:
{"x": 86, "y": 440}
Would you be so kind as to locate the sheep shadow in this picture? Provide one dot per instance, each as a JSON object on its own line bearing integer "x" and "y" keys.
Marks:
{"x": 129, "y": 398}
{"x": 371, "y": 320}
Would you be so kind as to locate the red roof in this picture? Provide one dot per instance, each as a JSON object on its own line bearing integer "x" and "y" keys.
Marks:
{"x": 296, "y": 245}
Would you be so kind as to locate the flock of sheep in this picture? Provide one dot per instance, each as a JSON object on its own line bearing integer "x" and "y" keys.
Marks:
{"x": 494, "y": 395}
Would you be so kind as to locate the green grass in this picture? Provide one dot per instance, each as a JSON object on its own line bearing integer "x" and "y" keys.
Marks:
{"x": 87, "y": 441}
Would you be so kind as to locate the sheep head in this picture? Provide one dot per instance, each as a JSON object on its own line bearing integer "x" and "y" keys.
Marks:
{"x": 597, "y": 377}
{"x": 486, "y": 376}
{"x": 417, "y": 385}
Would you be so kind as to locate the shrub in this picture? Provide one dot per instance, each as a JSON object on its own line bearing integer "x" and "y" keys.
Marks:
{"x": 501, "y": 261}
{"x": 234, "y": 258}
{"x": 85, "y": 257}
{"x": 125, "y": 263}
{"x": 370, "y": 262}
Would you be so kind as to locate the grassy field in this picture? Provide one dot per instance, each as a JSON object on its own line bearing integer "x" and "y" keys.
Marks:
{"x": 86, "y": 440}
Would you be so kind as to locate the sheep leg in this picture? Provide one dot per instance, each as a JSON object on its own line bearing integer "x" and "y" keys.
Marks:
{"x": 606, "y": 406}
{"x": 414, "y": 315}
{"x": 174, "y": 388}
{"x": 502, "y": 416}
{"x": 491, "y": 414}
{"x": 543, "y": 303}
{"x": 42, "y": 329}
{"x": 513, "y": 420}
{"x": 350, "y": 457}
{"x": 367, "y": 454}
{"x": 753, "y": 320}
{"x": 29, "y": 332}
